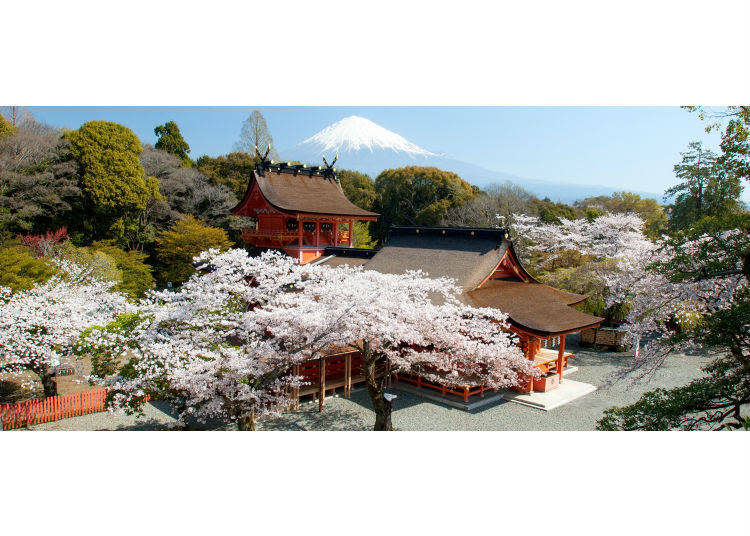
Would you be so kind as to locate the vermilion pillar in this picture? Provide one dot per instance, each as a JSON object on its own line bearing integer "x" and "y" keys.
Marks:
{"x": 351, "y": 232}
{"x": 560, "y": 354}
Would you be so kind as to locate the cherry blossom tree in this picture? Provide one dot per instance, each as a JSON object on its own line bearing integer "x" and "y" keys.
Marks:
{"x": 399, "y": 323}
{"x": 613, "y": 236}
{"x": 223, "y": 345}
{"x": 694, "y": 294}
{"x": 39, "y": 326}
{"x": 196, "y": 348}
{"x": 584, "y": 255}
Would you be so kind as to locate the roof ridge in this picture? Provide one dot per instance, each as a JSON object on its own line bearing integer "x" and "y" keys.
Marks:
{"x": 497, "y": 233}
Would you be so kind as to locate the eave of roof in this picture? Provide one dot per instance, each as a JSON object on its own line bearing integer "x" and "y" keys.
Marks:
{"x": 534, "y": 306}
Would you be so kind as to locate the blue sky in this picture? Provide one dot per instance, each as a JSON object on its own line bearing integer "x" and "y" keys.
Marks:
{"x": 621, "y": 147}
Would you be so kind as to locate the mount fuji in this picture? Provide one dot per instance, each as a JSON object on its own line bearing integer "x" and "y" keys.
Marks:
{"x": 367, "y": 147}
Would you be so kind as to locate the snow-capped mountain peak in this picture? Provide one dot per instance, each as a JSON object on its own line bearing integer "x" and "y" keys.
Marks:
{"x": 355, "y": 133}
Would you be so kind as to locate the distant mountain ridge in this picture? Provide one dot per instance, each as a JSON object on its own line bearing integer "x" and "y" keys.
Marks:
{"x": 369, "y": 148}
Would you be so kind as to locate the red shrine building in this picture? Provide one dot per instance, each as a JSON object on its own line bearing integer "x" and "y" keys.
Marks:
{"x": 299, "y": 209}
{"x": 305, "y": 212}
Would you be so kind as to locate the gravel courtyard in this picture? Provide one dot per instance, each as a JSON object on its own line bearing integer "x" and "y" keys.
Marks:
{"x": 413, "y": 413}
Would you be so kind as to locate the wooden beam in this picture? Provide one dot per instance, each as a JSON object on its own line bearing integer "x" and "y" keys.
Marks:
{"x": 321, "y": 400}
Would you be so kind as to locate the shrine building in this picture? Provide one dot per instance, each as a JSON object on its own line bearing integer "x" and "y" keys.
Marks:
{"x": 299, "y": 209}
{"x": 304, "y": 212}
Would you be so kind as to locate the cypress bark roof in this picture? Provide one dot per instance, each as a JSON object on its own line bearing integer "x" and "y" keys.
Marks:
{"x": 305, "y": 190}
{"x": 456, "y": 253}
{"x": 534, "y": 306}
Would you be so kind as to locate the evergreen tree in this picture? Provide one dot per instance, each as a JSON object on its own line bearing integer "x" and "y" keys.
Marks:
{"x": 417, "y": 196}
{"x": 135, "y": 274}
{"x": 114, "y": 185}
{"x": 5, "y": 127}
{"x": 358, "y": 188}
{"x": 187, "y": 238}
{"x": 706, "y": 188}
{"x": 171, "y": 141}
{"x": 232, "y": 170}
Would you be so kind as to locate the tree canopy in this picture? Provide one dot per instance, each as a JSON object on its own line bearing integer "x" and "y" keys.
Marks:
{"x": 418, "y": 196}
{"x": 171, "y": 141}
{"x": 232, "y": 170}
{"x": 177, "y": 247}
{"x": 707, "y": 187}
{"x": 649, "y": 210}
{"x": 358, "y": 187}
{"x": 6, "y": 128}
{"x": 110, "y": 175}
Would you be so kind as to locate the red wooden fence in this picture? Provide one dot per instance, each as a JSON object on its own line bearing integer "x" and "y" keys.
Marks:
{"x": 51, "y": 408}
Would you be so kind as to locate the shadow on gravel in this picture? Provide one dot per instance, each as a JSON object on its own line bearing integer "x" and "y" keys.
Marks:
{"x": 146, "y": 425}
{"x": 309, "y": 418}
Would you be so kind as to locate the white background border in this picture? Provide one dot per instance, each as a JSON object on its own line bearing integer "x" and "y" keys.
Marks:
{"x": 374, "y": 53}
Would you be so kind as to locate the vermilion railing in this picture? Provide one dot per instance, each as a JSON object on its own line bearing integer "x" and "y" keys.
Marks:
{"x": 51, "y": 408}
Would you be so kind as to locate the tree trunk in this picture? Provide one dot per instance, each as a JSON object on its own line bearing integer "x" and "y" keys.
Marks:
{"x": 246, "y": 423}
{"x": 46, "y": 376}
{"x": 375, "y": 386}
{"x": 383, "y": 409}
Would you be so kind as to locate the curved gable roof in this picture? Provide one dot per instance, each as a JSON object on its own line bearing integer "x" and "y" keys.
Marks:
{"x": 293, "y": 189}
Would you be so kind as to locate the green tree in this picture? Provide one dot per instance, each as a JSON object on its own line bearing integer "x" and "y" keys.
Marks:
{"x": 171, "y": 141}
{"x": 361, "y": 237}
{"x": 551, "y": 212}
{"x": 6, "y": 129}
{"x": 114, "y": 185}
{"x": 255, "y": 133}
{"x": 358, "y": 187}
{"x": 20, "y": 269}
{"x": 650, "y": 211}
{"x": 187, "y": 238}
{"x": 232, "y": 170}
{"x": 135, "y": 275}
{"x": 706, "y": 187}
{"x": 417, "y": 196}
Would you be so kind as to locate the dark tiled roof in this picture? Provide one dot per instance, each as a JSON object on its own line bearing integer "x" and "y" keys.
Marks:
{"x": 298, "y": 189}
{"x": 469, "y": 256}
{"x": 455, "y": 253}
{"x": 534, "y": 306}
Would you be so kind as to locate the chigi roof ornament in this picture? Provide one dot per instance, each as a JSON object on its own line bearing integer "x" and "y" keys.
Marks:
{"x": 264, "y": 161}
{"x": 329, "y": 170}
